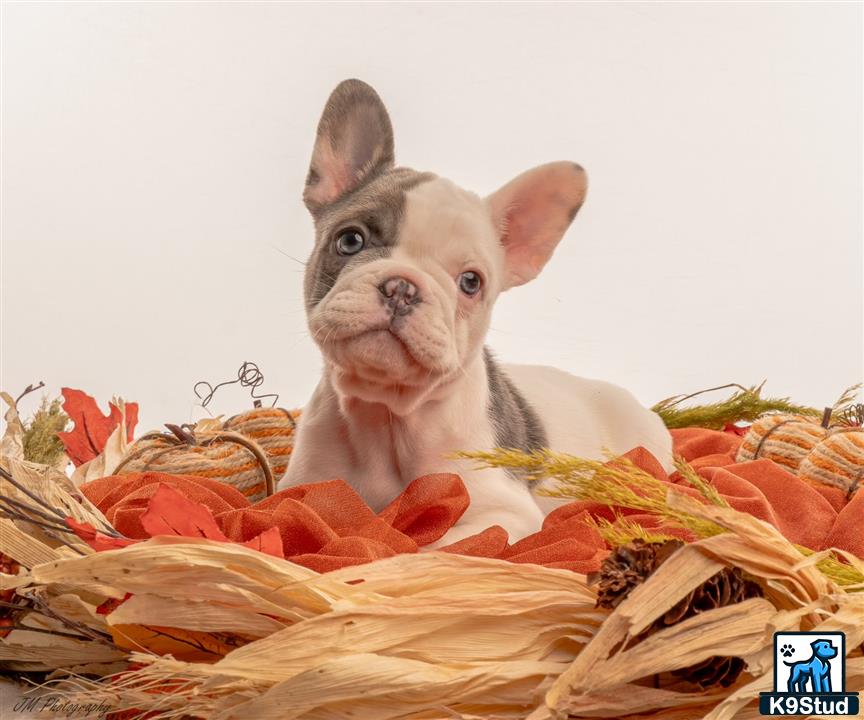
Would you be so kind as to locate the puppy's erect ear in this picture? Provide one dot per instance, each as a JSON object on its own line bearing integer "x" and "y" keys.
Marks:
{"x": 354, "y": 143}
{"x": 532, "y": 213}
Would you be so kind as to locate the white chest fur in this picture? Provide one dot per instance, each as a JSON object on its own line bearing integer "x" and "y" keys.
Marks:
{"x": 379, "y": 453}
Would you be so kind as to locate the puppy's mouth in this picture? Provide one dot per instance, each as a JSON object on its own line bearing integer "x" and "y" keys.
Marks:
{"x": 380, "y": 355}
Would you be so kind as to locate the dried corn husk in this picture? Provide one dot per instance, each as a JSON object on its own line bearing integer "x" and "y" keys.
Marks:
{"x": 474, "y": 637}
{"x": 52, "y": 489}
{"x": 414, "y": 636}
{"x": 12, "y": 442}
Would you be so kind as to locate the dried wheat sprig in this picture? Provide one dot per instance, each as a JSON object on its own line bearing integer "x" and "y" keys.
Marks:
{"x": 696, "y": 481}
{"x": 619, "y": 482}
{"x": 846, "y": 576}
{"x": 849, "y": 396}
{"x": 846, "y": 411}
{"x": 623, "y": 531}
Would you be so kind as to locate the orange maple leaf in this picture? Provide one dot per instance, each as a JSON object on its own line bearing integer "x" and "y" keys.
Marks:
{"x": 172, "y": 513}
{"x": 96, "y": 539}
{"x": 92, "y": 429}
{"x": 169, "y": 512}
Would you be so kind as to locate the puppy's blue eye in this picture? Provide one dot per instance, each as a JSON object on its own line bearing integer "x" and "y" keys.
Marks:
{"x": 350, "y": 242}
{"x": 470, "y": 282}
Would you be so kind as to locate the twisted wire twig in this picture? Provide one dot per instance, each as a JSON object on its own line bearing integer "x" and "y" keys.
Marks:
{"x": 248, "y": 376}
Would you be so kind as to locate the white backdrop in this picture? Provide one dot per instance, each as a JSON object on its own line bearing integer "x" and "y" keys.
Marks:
{"x": 153, "y": 157}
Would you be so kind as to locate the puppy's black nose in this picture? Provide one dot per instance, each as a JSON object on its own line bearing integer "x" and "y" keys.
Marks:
{"x": 400, "y": 295}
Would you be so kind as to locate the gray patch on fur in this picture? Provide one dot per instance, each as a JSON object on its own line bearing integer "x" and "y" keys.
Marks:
{"x": 571, "y": 214}
{"x": 516, "y": 424}
{"x": 355, "y": 143}
{"x": 377, "y": 208}
{"x": 356, "y": 128}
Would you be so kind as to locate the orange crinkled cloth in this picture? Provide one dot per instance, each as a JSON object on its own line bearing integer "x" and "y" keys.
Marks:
{"x": 326, "y": 525}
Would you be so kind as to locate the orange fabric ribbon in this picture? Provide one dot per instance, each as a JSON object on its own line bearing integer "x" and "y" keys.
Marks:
{"x": 325, "y": 526}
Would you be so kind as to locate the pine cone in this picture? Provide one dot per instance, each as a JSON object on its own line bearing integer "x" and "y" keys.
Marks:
{"x": 626, "y": 567}
{"x": 629, "y": 565}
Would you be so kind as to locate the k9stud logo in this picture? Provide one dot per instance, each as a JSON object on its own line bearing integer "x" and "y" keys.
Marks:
{"x": 809, "y": 676}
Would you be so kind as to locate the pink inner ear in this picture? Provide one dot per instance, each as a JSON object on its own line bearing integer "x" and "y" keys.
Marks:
{"x": 525, "y": 241}
{"x": 345, "y": 154}
{"x": 518, "y": 233}
{"x": 533, "y": 212}
{"x": 335, "y": 175}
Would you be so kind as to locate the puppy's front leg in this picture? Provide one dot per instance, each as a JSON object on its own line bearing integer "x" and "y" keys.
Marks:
{"x": 496, "y": 499}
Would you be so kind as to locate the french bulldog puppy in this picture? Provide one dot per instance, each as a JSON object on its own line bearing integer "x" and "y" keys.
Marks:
{"x": 399, "y": 292}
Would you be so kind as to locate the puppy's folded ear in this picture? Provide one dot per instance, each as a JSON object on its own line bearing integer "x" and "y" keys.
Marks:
{"x": 354, "y": 143}
{"x": 532, "y": 213}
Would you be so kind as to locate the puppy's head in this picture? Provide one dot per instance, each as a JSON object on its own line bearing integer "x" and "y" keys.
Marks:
{"x": 407, "y": 266}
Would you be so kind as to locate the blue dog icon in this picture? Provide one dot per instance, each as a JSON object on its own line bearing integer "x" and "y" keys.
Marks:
{"x": 817, "y": 669}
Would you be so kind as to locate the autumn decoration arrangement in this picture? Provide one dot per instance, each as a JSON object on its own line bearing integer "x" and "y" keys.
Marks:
{"x": 165, "y": 578}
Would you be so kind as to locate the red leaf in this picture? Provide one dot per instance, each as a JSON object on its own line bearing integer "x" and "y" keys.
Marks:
{"x": 111, "y": 604}
{"x": 269, "y": 541}
{"x": 92, "y": 429}
{"x": 732, "y": 428}
{"x": 95, "y": 539}
{"x": 171, "y": 513}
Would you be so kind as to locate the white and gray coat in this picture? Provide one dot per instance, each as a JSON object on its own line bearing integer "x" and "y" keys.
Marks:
{"x": 399, "y": 292}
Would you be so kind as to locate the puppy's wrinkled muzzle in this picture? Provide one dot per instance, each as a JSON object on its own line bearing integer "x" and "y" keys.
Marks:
{"x": 386, "y": 324}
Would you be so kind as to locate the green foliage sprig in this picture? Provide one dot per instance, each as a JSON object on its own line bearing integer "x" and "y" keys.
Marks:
{"x": 41, "y": 444}
{"x": 745, "y": 405}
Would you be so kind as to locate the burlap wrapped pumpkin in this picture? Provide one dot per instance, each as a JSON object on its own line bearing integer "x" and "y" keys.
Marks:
{"x": 832, "y": 455}
{"x": 837, "y": 460}
{"x": 249, "y": 451}
{"x": 785, "y": 439}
